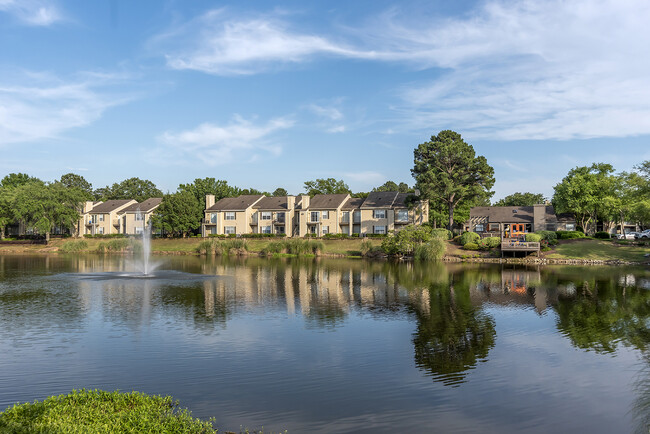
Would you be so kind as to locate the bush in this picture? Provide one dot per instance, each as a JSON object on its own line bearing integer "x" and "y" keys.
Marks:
{"x": 569, "y": 235}
{"x": 470, "y": 246}
{"x": 469, "y": 237}
{"x": 102, "y": 412}
{"x": 366, "y": 246}
{"x": 489, "y": 243}
{"x": 442, "y": 233}
{"x": 376, "y": 235}
{"x": 105, "y": 236}
{"x": 432, "y": 250}
{"x": 74, "y": 246}
{"x": 602, "y": 235}
{"x": 533, "y": 238}
{"x": 550, "y": 236}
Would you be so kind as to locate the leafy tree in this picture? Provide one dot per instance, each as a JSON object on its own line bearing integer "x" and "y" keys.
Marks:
{"x": 6, "y": 208}
{"x": 326, "y": 186}
{"x": 447, "y": 170}
{"x": 46, "y": 206}
{"x": 251, "y": 191}
{"x": 177, "y": 214}
{"x": 72, "y": 180}
{"x": 14, "y": 180}
{"x": 583, "y": 192}
{"x": 204, "y": 186}
{"x": 132, "y": 188}
{"x": 279, "y": 192}
{"x": 392, "y": 186}
{"x": 521, "y": 199}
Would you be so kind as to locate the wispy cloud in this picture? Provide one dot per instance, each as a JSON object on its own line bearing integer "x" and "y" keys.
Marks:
{"x": 326, "y": 112}
{"x": 32, "y": 12}
{"x": 221, "y": 144}
{"x": 48, "y": 106}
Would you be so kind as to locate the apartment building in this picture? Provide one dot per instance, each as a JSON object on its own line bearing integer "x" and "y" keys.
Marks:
{"x": 298, "y": 216}
{"x": 105, "y": 217}
{"x": 136, "y": 217}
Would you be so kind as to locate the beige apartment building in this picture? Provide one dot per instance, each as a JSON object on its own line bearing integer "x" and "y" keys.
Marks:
{"x": 136, "y": 217}
{"x": 297, "y": 216}
{"x": 105, "y": 217}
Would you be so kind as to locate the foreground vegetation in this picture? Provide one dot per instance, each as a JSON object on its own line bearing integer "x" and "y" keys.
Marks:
{"x": 96, "y": 411}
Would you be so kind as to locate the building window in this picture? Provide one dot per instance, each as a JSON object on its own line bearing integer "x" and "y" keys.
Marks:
{"x": 139, "y": 230}
{"x": 266, "y": 215}
{"x": 493, "y": 227}
{"x": 345, "y": 230}
{"x": 314, "y": 216}
{"x": 356, "y": 216}
{"x": 139, "y": 217}
{"x": 266, "y": 229}
{"x": 570, "y": 226}
{"x": 402, "y": 215}
{"x": 101, "y": 229}
{"x": 213, "y": 218}
{"x": 379, "y": 213}
{"x": 379, "y": 229}
{"x": 229, "y": 230}
{"x": 312, "y": 229}
{"x": 325, "y": 230}
{"x": 279, "y": 216}
{"x": 229, "y": 216}
{"x": 326, "y": 214}
{"x": 101, "y": 217}
{"x": 280, "y": 229}
{"x": 345, "y": 217}
{"x": 478, "y": 228}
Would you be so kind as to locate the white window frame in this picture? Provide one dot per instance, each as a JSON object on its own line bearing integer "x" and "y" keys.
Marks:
{"x": 100, "y": 230}
{"x": 139, "y": 230}
{"x": 229, "y": 230}
{"x": 101, "y": 218}
{"x": 345, "y": 217}
{"x": 313, "y": 214}
{"x": 313, "y": 230}
{"x": 325, "y": 230}
{"x": 230, "y": 215}
{"x": 213, "y": 217}
{"x": 266, "y": 230}
{"x": 402, "y": 212}
{"x": 266, "y": 215}
{"x": 479, "y": 228}
{"x": 325, "y": 215}
{"x": 379, "y": 213}
{"x": 379, "y": 230}
{"x": 139, "y": 217}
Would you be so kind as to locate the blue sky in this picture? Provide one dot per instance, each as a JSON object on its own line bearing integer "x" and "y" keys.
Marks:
{"x": 271, "y": 94}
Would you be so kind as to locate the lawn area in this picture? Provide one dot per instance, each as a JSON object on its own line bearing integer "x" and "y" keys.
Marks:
{"x": 603, "y": 250}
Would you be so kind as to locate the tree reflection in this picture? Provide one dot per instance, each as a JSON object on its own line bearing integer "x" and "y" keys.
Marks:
{"x": 453, "y": 336}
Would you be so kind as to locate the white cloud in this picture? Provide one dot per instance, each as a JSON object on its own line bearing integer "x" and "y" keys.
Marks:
{"x": 32, "y": 12}
{"x": 326, "y": 112}
{"x": 214, "y": 144}
{"x": 337, "y": 129}
{"x": 48, "y": 106}
{"x": 367, "y": 178}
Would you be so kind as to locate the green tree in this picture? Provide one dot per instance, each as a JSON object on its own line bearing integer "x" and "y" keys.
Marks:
{"x": 72, "y": 180}
{"x": 6, "y": 208}
{"x": 177, "y": 214}
{"x": 392, "y": 186}
{"x": 132, "y": 188}
{"x": 251, "y": 191}
{"x": 46, "y": 206}
{"x": 14, "y": 180}
{"x": 280, "y": 192}
{"x": 326, "y": 186}
{"x": 521, "y": 199}
{"x": 201, "y": 187}
{"x": 447, "y": 170}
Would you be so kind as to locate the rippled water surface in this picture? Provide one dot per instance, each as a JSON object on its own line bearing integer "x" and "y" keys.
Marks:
{"x": 337, "y": 345}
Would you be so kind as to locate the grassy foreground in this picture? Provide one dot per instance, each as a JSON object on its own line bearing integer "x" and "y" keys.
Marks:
{"x": 96, "y": 411}
{"x": 598, "y": 250}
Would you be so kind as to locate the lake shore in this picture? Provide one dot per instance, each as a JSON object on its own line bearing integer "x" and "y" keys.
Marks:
{"x": 570, "y": 252}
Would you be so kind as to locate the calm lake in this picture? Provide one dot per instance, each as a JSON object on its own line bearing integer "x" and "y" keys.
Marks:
{"x": 337, "y": 345}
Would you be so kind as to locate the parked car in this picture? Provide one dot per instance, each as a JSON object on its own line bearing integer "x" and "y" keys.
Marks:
{"x": 642, "y": 235}
{"x": 627, "y": 236}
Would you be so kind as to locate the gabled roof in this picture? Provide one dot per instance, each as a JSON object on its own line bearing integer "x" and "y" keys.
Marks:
{"x": 386, "y": 199}
{"x": 353, "y": 203}
{"x": 111, "y": 205}
{"x": 144, "y": 206}
{"x": 327, "y": 201}
{"x": 239, "y": 203}
{"x": 272, "y": 203}
{"x": 516, "y": 214}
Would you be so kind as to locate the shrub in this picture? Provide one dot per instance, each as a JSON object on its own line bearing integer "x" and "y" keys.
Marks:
{"x": 569, "y": 235}
{"x": 432, "y": 250}
{"x": 366, "y": 246}
{"x": 74, "y": 246}
{"x": 602, "y": 235}
{"x": 489, "y": 243}
{"x": 470, "y": 246}
{"x": 469, "y": 237}
{"x": 533, "y": 238}
{"x": 550, "y": 236}
{"x": 442, "y": 233}
{"x": 102, "y": 412}
{"x": 376, "y": 235}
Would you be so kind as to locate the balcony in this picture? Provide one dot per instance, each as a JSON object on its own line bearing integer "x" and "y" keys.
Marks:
{"x": 116, "y": 222}
{"x": 403, "y": 221}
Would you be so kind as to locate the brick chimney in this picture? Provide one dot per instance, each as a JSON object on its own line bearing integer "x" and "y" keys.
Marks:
{"x": 305, "y": 201}
{"x": 291, "y": 202}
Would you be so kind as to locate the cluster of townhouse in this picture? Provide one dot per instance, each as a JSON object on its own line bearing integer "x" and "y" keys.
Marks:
{"x": 298, "y": 216}
{"x": 127, "y": 217}
{"x": 499, "y": 221}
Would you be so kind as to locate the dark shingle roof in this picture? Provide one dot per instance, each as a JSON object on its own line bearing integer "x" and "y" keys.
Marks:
{"x": 385, "y": 199}
{"x": 110, "y": 206}
{"x": 272, "y": 203}
{"x": 515, "y": 214}
{"x": 235, "y": 203}
{"x": 353, "y": 203}
{"x": 144, "y": 206}
{"x": 327, "y": 201}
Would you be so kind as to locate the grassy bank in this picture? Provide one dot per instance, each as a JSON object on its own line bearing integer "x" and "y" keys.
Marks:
{"x": 598, "y": 250}
{"x": 96, "y": 411}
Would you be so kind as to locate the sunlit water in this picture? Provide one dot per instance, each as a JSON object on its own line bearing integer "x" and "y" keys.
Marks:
{"x": 335, "y": 345}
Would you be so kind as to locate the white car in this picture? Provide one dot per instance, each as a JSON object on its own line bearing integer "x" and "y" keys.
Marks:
{"x": 642, "y": 235}
{"x": 627, "y": 236}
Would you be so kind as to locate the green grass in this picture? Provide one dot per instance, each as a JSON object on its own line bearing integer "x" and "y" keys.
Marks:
{"x": 96, "y": 411}
{"x": 599, "y": 250}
